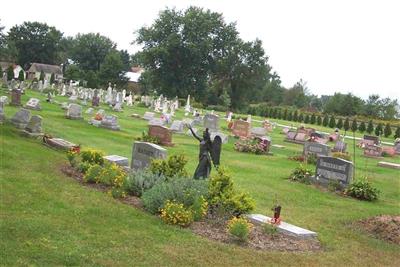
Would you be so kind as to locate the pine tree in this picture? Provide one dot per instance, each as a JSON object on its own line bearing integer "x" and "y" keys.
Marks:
{"x": 267, "y": 113}
{"x": 397, "y": 133}
{"x": 279, "y": 115}
{"x": 362, "y": 127}
{"x": 21, "y": 76}
{"x": 41, "y": 78}
{"x": 346, "y": 125}
{"x": 284, "y": 116}
{"x": 301, "y": 117}
{"x": 370, "y": 127}
{"x": 325, "y": 122}
{"x": 295, "y": 115}
{"x": 354, "y": 125}
{"x": 10, "y": 73}
{"x": 332, "y": 122}
{"x": 290, "y": 116}
{"x": 378, "y": 129}
{"x": 312, "y": 119}
{"x": 319, "y": 120}
{"x": 52, "y": 78}
{"x": 388, "y": 130}
{"x": 339, "y": 123}
{"x": 307, "y": 119}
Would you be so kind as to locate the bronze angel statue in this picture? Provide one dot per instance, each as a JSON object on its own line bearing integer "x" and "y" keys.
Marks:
{"x": 210, "y": 152}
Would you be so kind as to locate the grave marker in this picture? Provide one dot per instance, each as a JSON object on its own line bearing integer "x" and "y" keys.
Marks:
{"x": 143, "y": 153}
{"x": 241, "y": 129}
{"x": 330, "y": 169}
{"x": 211, "y": 121}
{"x": 74, "y": 112}
{"x": 316, "y": 148}
{"x": 163, "y": 133}
{"x": 33, "y": 103}
{"x": 21, "y": 118}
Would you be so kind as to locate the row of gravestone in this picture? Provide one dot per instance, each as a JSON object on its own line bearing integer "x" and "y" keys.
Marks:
{"x": 30, "y": 125}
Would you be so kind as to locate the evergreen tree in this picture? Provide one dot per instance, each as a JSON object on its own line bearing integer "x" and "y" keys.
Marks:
{"x": 332, "y": 122}
{"x": 21, "y": 75}
{"x": 267, "y": 112}
{"x": 354, "y": 125}
{"x": 290, "y": 116}
{"x": 388, "y": 130}
{"x": 10, "y": 73}
{"x": 370, "y": 127}
{"x": 295, "y": 115}
{"x": 397, "y": 133}
{"x": 41, "y": 78}
{"x": 312, "y": 119}
{"x": 52, "y": 78}
{"x": 301, "y": 117}
{"x": 279, "y": 115}
{"x": 339, "y": 123}
{"x": 307, "y": 119}
{"x": 362, "y": 127}
{"x": 346, "y": 125}
{"x": 284, "y": 116}
{"x": 319, "y": 120}
{"x": 378, "y": 129}
{"x": 275, "y": 114}
{"x": 325, "y": 122}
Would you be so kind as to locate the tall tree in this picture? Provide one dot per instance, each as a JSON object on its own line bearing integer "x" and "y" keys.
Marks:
{"x": 346, "y": 125}
{"x": 378, "y": 129}
{"x": 362, "y": 127}
{"x": 332, "y": 122}
{"x": 112, "y": 70}
{"x": 325, "y": 122}
{"x": 339, "y": 123}
{"x": 370, "y": 127}
{"x": 35, "y": 42}
{"x": 354, "y": 126}
{"x": 388, "y": 130}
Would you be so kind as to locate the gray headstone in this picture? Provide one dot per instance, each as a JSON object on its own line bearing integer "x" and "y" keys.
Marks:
{"x": 316, "y": 148}
{"x": 397, "y": 147}
{"x": 148, "y": 116}
{"x": 157, "y": 121}
{"x": 374, "y": 139}
{"x": 290, "y": 135}
{"x": 333, "y": 169}
{"x": 118, "y": 107}
{"x": 33, "y": 103}
{"x": 177, "y": 126}
{"x": 211, "y": 121}
{"x": 143, "y": 153}
{"x": 119, "y": 160}
{"x": 2, "y": 115}
{"x": 34, "y": 125}
{"x": 340, "y": 146}
{"x": 89, "y": 111}
{"x": 21, "y": 118}
{"x": 110, "y": 122}
{"x": 74, "y": 111}
{"x": 258, "y": 131}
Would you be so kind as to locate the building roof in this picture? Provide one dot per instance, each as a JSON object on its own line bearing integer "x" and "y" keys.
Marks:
{"x": 38, "y": 67}
{"x": 133, "y": 76}
{"x": 137, "y": 69}
{"x": 5, "y": 65}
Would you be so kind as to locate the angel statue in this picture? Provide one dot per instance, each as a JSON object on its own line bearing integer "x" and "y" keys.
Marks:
{"x": 210, "y": 151}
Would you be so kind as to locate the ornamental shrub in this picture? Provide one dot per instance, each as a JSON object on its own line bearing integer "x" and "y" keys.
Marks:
{"x": 239, "y": 228}
{"x": 72, "y": 157}
{"x": 92, "y": 174}
{"x": 301, "y": 174}
{"x": 387, "y": 131}
{"x": 346, "y": 125}
{"x": 363, "y": 190}
{"x": 83, "y": 167}
{"x": 148, "y": 138}
{"x": 92, "y": 156}
{"x": 319, "y": 120}
{"x": 370, "y": 127}
{"x": 354, "y": 126}
{"x": 341, "y": 155}
{"x": 10, "y": 73}
{"x": 397, "y": 133}
{"x": 138, "y": 182}
{"x": 112, "y": 175}
{"x": 176, "y": 214}
{"x": 174, "y": 166}
{"x": 199, "y": 208}
{"x": 313, "y": 119}
{"x": 21, "y": 75}
{"x": 339, "y": 123}
{"x": 332, "y": 122}
{"x": 362, "y": 127}
{"x": 378, "y": 129}
{"x": 325, "y": 122}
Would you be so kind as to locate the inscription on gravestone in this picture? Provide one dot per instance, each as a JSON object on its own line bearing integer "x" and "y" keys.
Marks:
{"x": 211, "y": 121}
{"x": 333, "y": 169}
{"x": 241, "y": 128}
{"x": 316, "y": 148}
{"x": 374, "y": 139}
{"x": 372, "y": 151}
{"x": 143, "y": 153}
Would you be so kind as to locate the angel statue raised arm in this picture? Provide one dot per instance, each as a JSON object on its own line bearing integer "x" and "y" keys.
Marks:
{"x": 210, "y": 151}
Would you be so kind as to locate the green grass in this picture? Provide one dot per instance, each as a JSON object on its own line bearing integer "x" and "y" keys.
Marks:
{"x": 49, "y": 219}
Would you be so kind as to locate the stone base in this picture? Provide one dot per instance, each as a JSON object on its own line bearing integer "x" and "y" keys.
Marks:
{"x": 33, "y": 108}
{"x": 94, "y": 122}
{"x": 31, "y": 135}
{"x": 283, "y": 227}
{"x": 111, "y": 127}
{"x": 121, "y": 161}
{"x": 278, "y": 146}
{"x": 19, "y": 125}
{"x": 74, "y": 118}
{"x": 388, "y": 165}
{"x": 59, "y": 143}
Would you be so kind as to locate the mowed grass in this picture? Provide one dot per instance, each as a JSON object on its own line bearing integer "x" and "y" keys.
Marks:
{"x": 49, "y": 219}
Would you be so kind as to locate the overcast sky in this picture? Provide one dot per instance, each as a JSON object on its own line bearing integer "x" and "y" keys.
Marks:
{"x": 335, "y": 46}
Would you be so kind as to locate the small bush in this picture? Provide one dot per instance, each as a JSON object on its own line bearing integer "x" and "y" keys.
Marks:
{"x": 176, "y": 214}
{"x": 199, "y": 208}
{"x": 92, "y": 174}
{"x": 334, "y": 185}
{"x": 182, "y": 190}
{"x": 312, "y": 158}
{"x": 341, "y": 155}
{"x": 363, "y": 190}
{"x": 301, "y": 174}
{"x": 117, "y": 192}
{"x": 173, "y": 167}
{"x": 148, "y": 138}
{"x": 83, "y": 167}
{"x": 140, "y": 181}
{"x": 270, "y": 229}
{"x": 240, "y": 228}
{"x": 112, "y": 175}
{"x": 72, "y": 157}
{"x": 92, "y": 156}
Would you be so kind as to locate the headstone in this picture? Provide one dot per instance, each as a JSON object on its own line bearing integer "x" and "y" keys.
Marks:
{"x": 373, "y": 151}
{"x": 290, "y": 135}
{"x": 300, "y": 137}
{"x": 143, "y": 153}
{"x": 64, "y": 105}
{"x": 331, "y": 169}
{"x": 59, "y": 143}
{"x": 340, "y": 146}
{"x": 73, "y": 98}
{"x": 2, "y": 115}
{"x": 4, "y": 99}
{"x": 390, "y": 165}
{"x": 241, "y": 129}
{"x": 211, "y": 121}
{"x": 157, "y": 121}
{"x": 285, "y": 130}
{"x": 374, "y": 139}
{"x": 33, "y": 103}
{"x": 118, "y": 160}
{"x": 163, "y": 133}
{"x": 89, "y": 111}
{"x": 16, "y": 97}
{"x": 21, "y": 118}
{"x": 95, "y": 101}
{"x": 118, "y": 107}
{"x": 224, "y": 137}
{"x": 258, "y": 131}
{"x": 110, "y": 122}
{"x": 390, "y": 151}
{"x": 34, "y": 126}
{"x": 316, "y": 148}
{"x": 148, "y": 116}
{"x": 74, "y": 112}
{"x": 177, "y": 126}
{"x": 397, "y": 147}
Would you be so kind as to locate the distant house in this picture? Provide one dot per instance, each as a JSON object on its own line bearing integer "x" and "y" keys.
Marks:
{"x": 36, "y": 68}
{"x": 16, "y": 68}
{"x": 133, "y": 76}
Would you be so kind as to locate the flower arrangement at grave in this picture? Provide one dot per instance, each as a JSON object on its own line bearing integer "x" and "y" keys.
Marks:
{"x": 256, "y": 146}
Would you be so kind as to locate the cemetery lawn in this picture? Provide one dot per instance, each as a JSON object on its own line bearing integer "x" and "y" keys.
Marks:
{"x": 50, "y": 219}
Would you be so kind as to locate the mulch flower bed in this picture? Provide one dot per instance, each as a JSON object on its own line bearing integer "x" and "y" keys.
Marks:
{"x": 385, "y": 227}
{"x": 209, "y": 229}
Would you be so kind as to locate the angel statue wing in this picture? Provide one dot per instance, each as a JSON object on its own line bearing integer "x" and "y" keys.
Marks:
{"x": 216, "y": 150}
